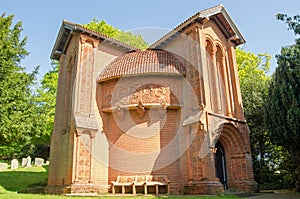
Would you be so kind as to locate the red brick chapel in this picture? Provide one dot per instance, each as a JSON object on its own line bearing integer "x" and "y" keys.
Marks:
{"x": 172, "y": 110}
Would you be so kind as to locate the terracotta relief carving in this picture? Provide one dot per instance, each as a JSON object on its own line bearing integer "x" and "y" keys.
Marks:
{"x": 83, "y": 160}
{"x": 120, "y": 112}
{"x": 148, "y": 94}
{"x": 141, "y": 109}
{"x": 162, "y": 110}
{"x": 151, "y": 94}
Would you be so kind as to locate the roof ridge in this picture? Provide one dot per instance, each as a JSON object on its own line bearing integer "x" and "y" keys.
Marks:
{"x": 66, "y": 30}
{"x": 199, "y": 16}
{"x": 102, "y": 34}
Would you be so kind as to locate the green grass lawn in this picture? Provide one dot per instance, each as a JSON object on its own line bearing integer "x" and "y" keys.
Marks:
{"x": 36, "y": 196}
{"x": 14, "y": 181}
{"x": 23, "y": 178}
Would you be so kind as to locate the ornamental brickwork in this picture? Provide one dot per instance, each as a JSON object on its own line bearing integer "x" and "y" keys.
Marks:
{"x": 172, "y": 110}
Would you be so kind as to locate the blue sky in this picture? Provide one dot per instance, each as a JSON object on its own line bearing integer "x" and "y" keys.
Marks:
{"x": 42, "y": 19}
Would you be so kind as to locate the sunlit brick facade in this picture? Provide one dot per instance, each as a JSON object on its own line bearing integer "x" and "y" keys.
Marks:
{"x": 174, "y": 109}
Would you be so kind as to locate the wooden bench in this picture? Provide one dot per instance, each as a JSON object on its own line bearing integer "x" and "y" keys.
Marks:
{"x": 123, "y": 181}
{"x": 141, "y": 180}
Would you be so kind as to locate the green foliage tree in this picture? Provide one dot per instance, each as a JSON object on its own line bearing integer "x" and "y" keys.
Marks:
{"x": 293, "y": 23}
{"x": 19, "y": 119}
{"x": 253, "y": 76}
{"x": 254, "y": 82}
{"x": 46, "y": 101}
{"x": 282, "y": 105}
{"x": 108, "y": 30}
{"x": 46, "y": 98}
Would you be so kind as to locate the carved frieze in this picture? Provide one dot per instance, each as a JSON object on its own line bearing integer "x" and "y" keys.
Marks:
{"x": 147, "y": 95}
{"x": 151, "y": 94}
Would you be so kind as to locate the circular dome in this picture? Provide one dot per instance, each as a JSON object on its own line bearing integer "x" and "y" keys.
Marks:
{"x": 135, "y": 63}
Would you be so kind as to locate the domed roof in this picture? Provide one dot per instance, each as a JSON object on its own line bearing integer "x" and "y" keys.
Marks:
{"x": 151, "y": 61}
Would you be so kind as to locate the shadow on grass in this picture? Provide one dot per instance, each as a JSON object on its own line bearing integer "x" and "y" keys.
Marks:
{"x": 23, "y": 178}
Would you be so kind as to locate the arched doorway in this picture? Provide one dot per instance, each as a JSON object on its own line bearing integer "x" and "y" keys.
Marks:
{"x": 220, "y": 164}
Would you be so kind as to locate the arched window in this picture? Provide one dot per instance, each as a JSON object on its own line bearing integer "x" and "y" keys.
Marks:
{"x": 210, "y": 61}
{"x": 221, "y": 79}
{"x": 217, "y": 78}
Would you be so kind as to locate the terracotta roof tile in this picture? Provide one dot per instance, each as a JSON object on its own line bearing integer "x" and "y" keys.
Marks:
{"x": 151, "y": 61}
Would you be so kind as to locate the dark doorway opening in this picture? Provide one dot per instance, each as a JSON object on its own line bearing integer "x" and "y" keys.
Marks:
{"x": 220, "y": 164}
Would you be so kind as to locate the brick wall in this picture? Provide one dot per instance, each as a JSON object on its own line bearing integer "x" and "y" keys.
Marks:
{"x": 139, "y": 119}
{"x": 143, "y": 143}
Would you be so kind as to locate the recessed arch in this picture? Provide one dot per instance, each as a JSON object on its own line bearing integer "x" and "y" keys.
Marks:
{"x": 235, "y": 148}
{"x": 210, "y": 39}
{"x": 219, "y": 51}
{"x": 221, "y": 79}
{"x": 221, "y": 46}
{"x": 210, "y": 64}
{"x": 209, "y": 46}
{"x": 231, "y": 138}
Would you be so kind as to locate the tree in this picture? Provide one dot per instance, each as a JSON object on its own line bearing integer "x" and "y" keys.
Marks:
{"x": 46, "y": 101}
{"x": 283, "y": 101}
{"x": 254, "y": 82}
{"x": 282, "y": 105}
{"x": 108, "y": 30}
{"x": 293, "y": 23}
{"x": 253, "y": 76}
{"x": 18, "y": 112}
{"x": 46, "y": 98}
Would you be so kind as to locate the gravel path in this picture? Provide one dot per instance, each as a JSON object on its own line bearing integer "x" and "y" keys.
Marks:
{"x": 276, "y": 196}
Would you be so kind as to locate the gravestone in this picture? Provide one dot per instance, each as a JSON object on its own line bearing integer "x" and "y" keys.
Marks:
{"x": 3, "y": 166}
{"x": 28, "y": 164}
{"x": 14, "y": 164}
{"x": 24, "y": 162}
{"x": 38, "y": 162}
